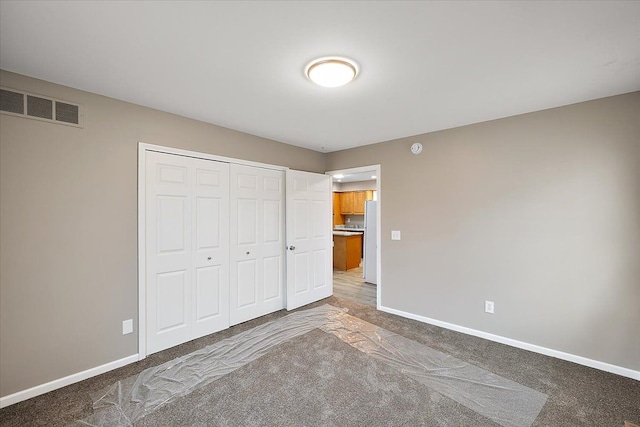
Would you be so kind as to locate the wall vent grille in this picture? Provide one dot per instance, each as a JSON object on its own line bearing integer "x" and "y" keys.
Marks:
{"x": 68, "y": 113}
{"x": 11, "y": 102}
{"x": 34, "y": 106}
{"x": 39, "y": 107}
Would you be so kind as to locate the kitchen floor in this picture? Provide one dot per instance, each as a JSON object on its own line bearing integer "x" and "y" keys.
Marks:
{"x": 351, "y": 286}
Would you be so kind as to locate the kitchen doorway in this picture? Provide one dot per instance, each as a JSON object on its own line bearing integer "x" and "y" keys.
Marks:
{"x": 356, "y": 234}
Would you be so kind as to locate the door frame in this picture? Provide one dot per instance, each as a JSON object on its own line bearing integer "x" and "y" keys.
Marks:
{"x": 143, "y": 147}
{"x": 377, "y": 169}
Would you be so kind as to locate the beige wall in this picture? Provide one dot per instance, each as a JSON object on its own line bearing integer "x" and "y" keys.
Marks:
{"x": 539, "y": 213}
{"x": 68, "y": 218}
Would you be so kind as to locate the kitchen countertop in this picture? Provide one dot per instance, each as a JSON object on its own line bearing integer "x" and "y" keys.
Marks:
{"x": 350, "y": 230}
{"x": 346, "y": 233}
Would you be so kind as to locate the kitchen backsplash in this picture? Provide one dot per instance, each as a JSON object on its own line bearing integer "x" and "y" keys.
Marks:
{"x": 354, "y": 220}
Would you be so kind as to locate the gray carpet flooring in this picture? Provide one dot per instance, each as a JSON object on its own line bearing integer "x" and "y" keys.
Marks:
{"x": 316, "y": 379}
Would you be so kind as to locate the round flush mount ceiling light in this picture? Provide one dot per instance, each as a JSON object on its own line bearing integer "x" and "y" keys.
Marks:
{"x": 331, "y": 71}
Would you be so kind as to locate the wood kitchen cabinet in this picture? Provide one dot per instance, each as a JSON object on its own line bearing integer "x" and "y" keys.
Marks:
{"x": 338, "y": 219}
{"x": 352, "y": 202}
{"x": 347, "y": 251}
{"x": 346, "y": 203}
{"x": 359, "y": 197}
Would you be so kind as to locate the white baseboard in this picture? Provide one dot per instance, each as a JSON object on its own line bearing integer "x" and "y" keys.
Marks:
{"x": 61, "y": 382}
{"x": 619, "y": 370}
{"x": 71, "y": 379}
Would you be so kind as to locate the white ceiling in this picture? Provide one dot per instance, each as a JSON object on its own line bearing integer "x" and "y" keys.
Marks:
{"x": 355, "y": 176}
{"x": 424, "y": 66}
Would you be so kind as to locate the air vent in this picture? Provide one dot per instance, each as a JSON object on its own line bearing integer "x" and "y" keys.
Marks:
{"x": 33, "y": 106}
{"x": 67, "y": 113}
{"x": 39, "y": 107}
{"x": 11, "y": 102}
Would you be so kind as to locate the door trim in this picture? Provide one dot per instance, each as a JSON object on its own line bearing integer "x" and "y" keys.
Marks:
{"x": 143, "y": 147}
{"x": 378, "y": 174}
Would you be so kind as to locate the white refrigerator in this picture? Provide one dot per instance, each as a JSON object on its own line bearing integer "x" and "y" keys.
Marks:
{"x": 370, "y": 242}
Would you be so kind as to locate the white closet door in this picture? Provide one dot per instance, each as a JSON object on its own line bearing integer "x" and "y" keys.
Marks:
{"x": 257, "y": 242}
{"x": 309, "y": 238}
{"x": 187, "y": 249}
{"x": 168, "y": 236}
{"x": 210, "y": 243}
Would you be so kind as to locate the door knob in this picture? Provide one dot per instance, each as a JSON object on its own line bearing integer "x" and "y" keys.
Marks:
{"x": 209, "y": 258}
{"x": 247, "y": 253}
{"x": 292, "y": 248}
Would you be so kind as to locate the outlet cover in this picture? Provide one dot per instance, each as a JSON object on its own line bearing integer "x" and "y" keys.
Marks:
{"x": 127, "y": 327}
{"x": 395, "y": 235}
{"x": 488, "y": 307}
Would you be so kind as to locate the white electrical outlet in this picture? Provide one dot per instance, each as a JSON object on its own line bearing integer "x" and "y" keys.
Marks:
{"x": 395, "y": 235}
{"x": 488, "y": 307}
{"x": 127, "y": 326}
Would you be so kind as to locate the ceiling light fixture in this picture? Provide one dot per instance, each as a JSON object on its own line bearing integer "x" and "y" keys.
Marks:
{"x": 331, "y": 71}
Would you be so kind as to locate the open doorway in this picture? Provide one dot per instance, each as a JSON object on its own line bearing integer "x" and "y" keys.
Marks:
{"x": 356, "y": 234}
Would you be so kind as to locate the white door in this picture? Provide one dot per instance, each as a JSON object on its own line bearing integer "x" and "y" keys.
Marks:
{"x": 309, "y": 238}
{"x": 210, "y": 243}
{"x": 186, "y": 249}
{"x": 257, "y": 242}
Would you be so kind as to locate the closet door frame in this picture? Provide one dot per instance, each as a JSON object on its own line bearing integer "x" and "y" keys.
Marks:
{"x": 143, "y": 148}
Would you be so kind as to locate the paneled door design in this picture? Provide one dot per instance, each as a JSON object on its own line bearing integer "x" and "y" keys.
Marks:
{"x": 187, "y": 246}
{"x": 257, "y": 242}
{"x": 309, "y": 238}
{"x": 210, "y": 245}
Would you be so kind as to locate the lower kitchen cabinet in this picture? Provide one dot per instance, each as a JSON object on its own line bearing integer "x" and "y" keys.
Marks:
{"x": 347, "y": 251}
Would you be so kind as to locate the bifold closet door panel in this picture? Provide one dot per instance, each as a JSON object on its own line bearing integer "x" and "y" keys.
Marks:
{"x": 187, "y": 249}
{"x": 257, "y": 242}
{"x": 168, "y": 238}
{"x": 210, "y": 260}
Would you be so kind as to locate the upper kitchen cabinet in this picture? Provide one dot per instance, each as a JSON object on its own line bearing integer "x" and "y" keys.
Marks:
{"x": 352, "y": 202}
{"x": 346, "y": 203}
{"x": 359, "y": 197}
{"x": 338, "y": 219}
